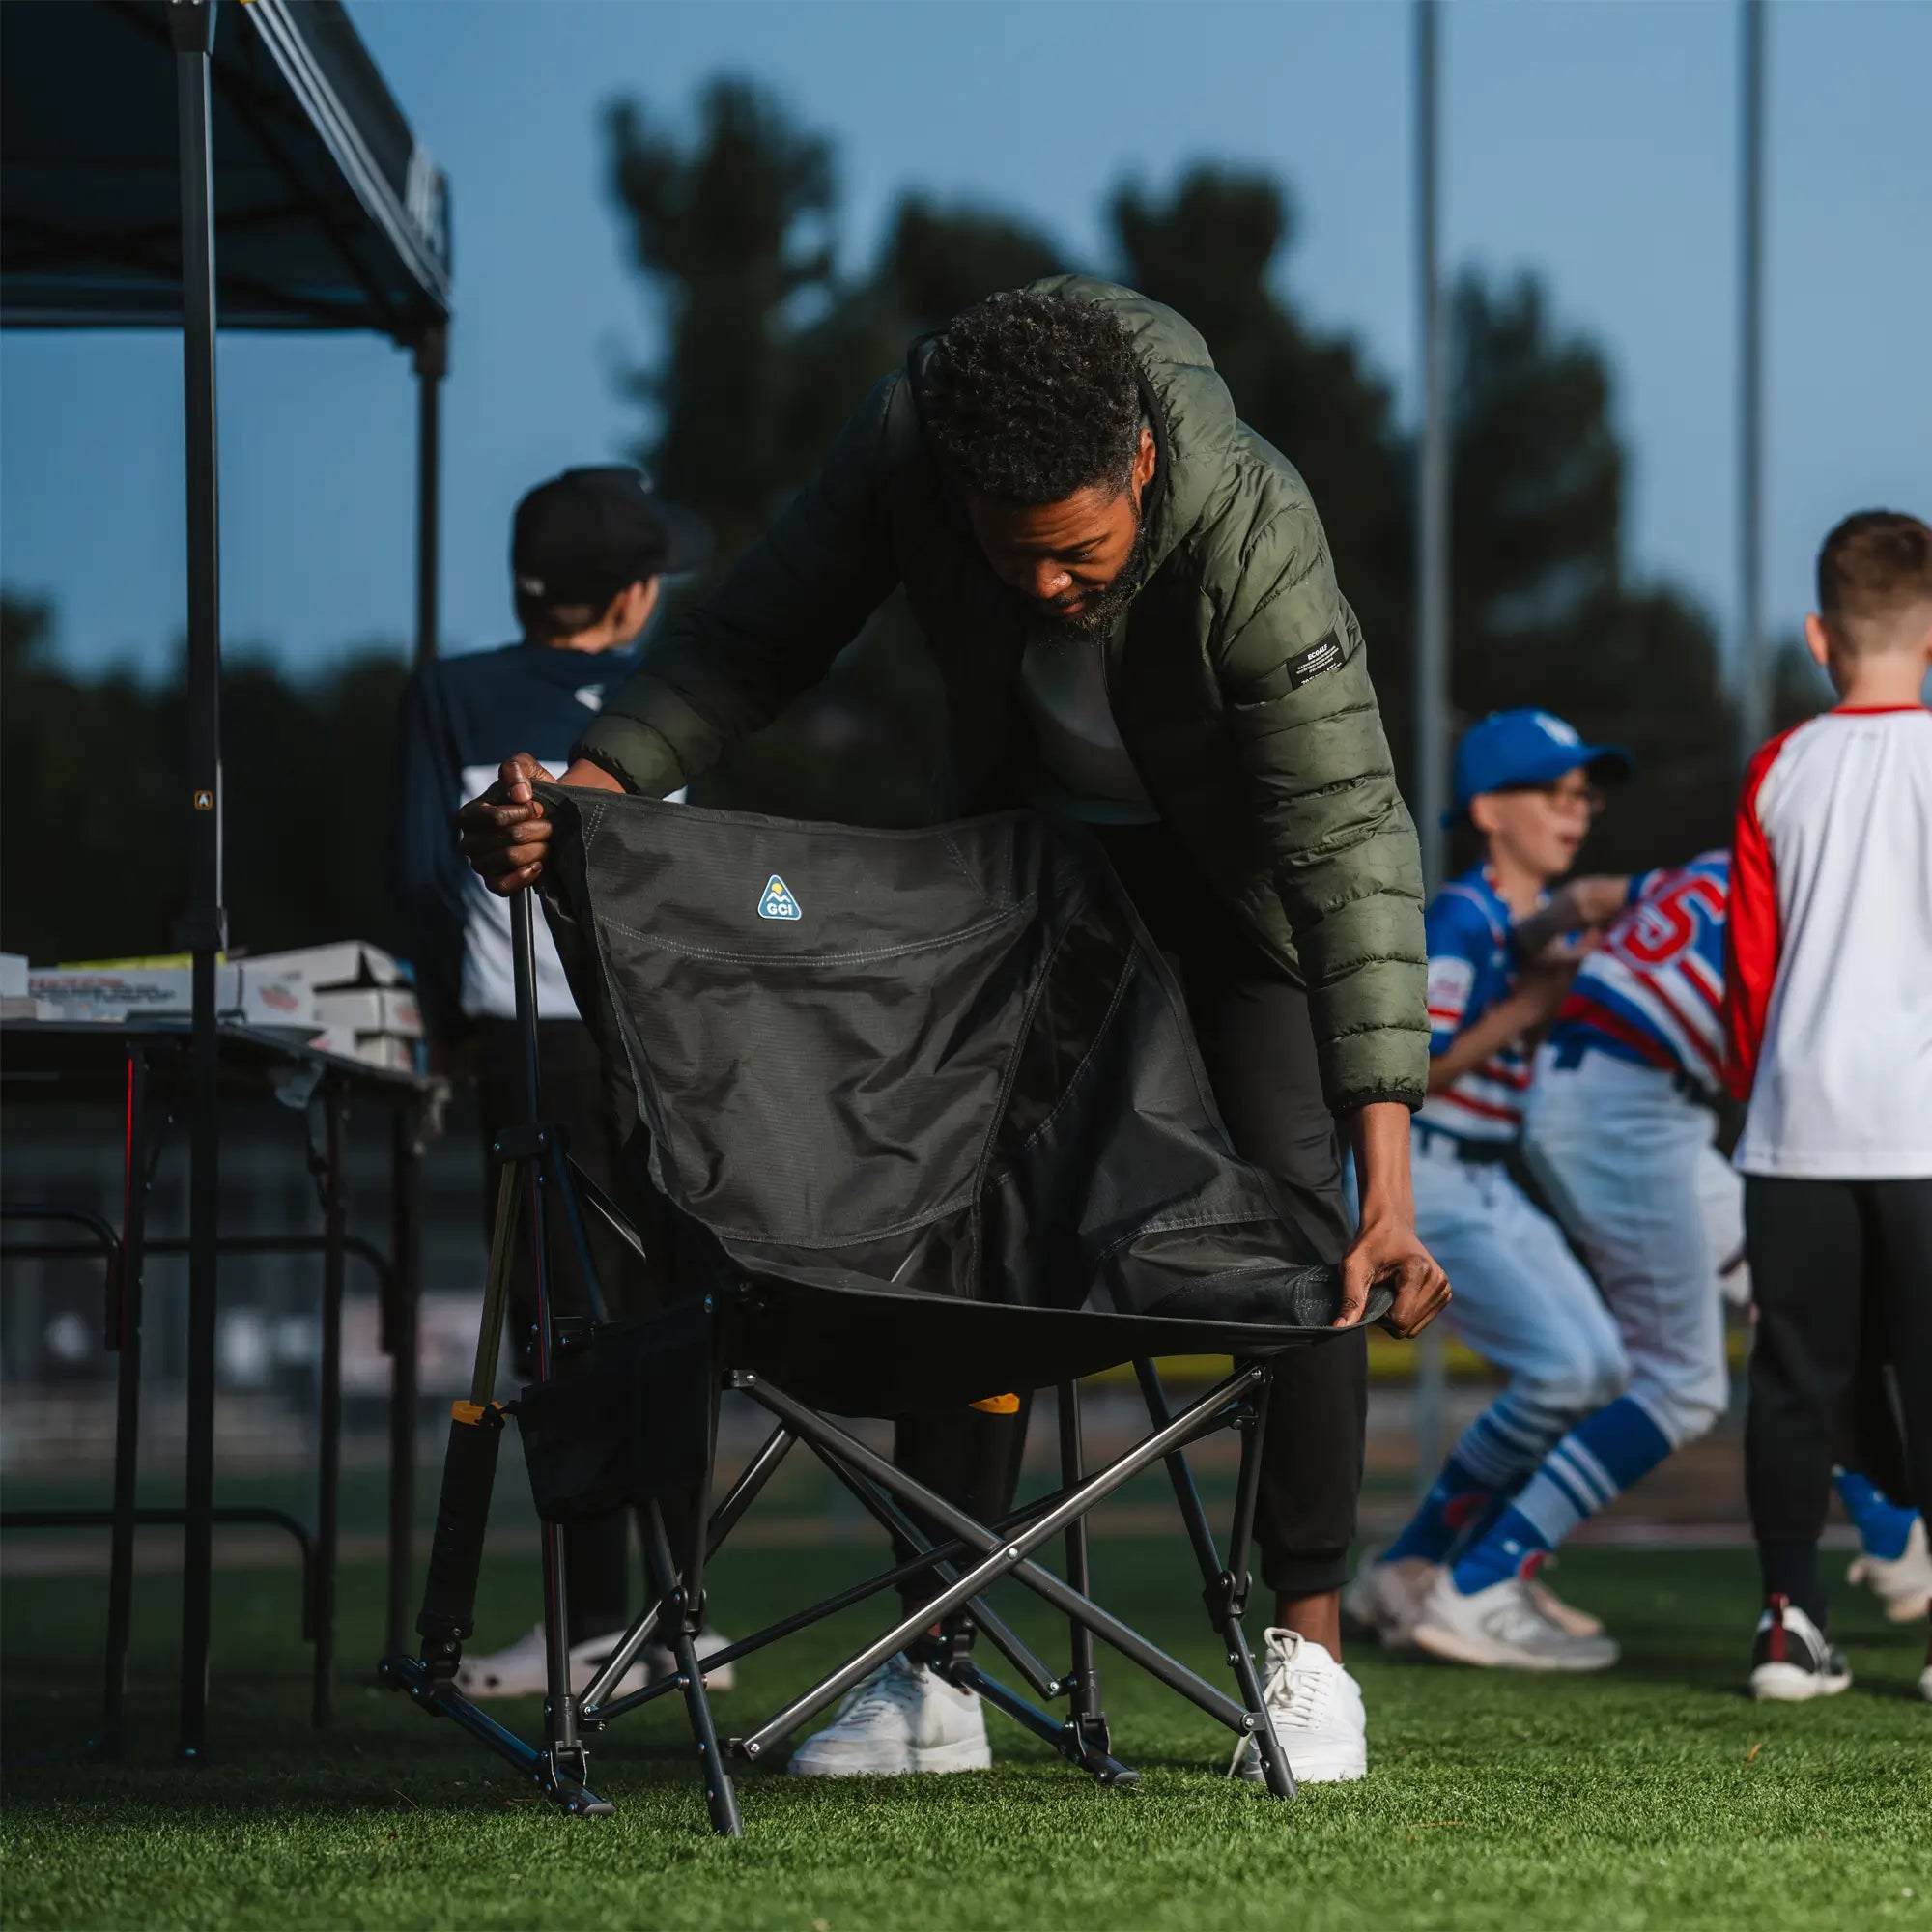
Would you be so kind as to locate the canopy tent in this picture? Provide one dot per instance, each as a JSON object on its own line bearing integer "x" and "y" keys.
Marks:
{"x": 154, "y": 172}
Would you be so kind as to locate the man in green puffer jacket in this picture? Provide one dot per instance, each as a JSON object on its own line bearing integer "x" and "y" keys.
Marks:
{"x": 1131, "y": 608}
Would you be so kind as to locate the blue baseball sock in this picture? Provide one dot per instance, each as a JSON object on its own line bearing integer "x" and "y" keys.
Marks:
{"x": 1602, "y": 1456}
{"x": 1883, "y": 1526}
{"x": 1457, "y": 1496}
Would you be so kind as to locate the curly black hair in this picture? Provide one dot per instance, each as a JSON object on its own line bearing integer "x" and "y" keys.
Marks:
{"x": 1030, "y": 399}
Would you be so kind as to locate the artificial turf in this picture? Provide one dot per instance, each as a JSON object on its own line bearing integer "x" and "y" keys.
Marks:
{"x": 1654, "y": 1795}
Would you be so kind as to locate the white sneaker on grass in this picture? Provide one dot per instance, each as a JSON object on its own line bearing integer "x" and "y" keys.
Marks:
{"x": 1385, "y": 1597}
{"x": 903, "y": 1717}
{"x": 519, "y": 1669}
{"x": 1315, "y": 1708}
{"x": 1902, "y": 1584}
{"x": 1502, "y": 1627}
{"x": 1791, "y": 1662}
{"x": 661, "y": 1661}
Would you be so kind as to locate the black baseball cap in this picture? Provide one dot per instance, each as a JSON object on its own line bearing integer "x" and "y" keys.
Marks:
{"x": 584, "y": 535}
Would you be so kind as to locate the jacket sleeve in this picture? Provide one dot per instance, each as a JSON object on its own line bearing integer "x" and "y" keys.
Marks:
{"x": 426, "y": 869}
{"x": 1309, "y": 735}
{"x": 790, "y": 604}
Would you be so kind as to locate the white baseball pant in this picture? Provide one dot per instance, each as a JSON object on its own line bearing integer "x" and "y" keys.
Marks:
{"x": 1522, "y": 1300}
{"x": 1626, "y": 1159}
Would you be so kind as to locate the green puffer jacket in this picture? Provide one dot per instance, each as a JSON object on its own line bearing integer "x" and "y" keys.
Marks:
{"x": 1239, "y": 682}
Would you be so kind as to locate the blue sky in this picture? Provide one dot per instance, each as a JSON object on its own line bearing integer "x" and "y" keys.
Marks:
{"x": 1594, "y": 141}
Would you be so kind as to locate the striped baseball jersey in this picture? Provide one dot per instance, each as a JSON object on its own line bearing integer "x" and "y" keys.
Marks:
{"x": 1654, "y": 991}
{"x": 1471, "y": 969}
{"x": 1828, "y": 968}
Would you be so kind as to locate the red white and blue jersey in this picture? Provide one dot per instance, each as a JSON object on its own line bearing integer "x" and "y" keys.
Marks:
{"x": 1652, "y": 992}
{"x": 1471, "y": 969}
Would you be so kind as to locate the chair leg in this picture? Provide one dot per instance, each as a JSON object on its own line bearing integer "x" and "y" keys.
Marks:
{"x": 721, "y": 1797}
{"x": 1225, "y": 1589}
{"x": 1086, "y": 1720}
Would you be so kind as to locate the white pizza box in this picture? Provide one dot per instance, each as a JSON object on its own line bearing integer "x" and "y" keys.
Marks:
{"x": 12, "y": 976}
{"x": 347, "y": 962}
{"x": 386, "y": 1051}
{"x": 244, "y": 990}
{"x": 389, "y": 1009}
{"x": 375, "y": 1049}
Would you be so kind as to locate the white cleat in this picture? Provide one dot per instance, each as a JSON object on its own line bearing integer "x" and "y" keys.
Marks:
{"x": 1315, "y": 1708}
{"x": 1566, "y": 1617}
{"x": 1903, "y": 1583}
{"x": 520, "y": 1670}
{"x": 903, "y": 1717}
{"x": 1500, "y": 1628}
{"x": 1386, "y": 1598}
{"x": 1791, "y": 1662}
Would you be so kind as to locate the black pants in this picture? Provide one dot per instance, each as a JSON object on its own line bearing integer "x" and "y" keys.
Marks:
{"x": 1252, "y": 1027}
{"x": 571, "y": 1091}
{"x": 1829, "y": 1259}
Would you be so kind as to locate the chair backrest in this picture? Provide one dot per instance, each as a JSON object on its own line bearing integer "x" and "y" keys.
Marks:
{"x": 948, "y": 1058}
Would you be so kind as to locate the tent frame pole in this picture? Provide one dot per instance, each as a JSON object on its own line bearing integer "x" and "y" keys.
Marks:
{"x": 431, "y": 366}
{"x": 205, "y": 932}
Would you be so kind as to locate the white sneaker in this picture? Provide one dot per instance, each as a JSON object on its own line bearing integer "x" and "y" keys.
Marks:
{"x": 1566, "y": 1617}
{"x": 1501, "y": 1628}
{"x": 1315, "y": 1708}
{"x": 660, "y": 1661}
{"x": 1903, "y": 1583}
{"x": 902, "y": 1718}
{"x": 1791, "y": 1662}
{"x": 1385, "y": 1597}
{"x": 520, "y": 1671}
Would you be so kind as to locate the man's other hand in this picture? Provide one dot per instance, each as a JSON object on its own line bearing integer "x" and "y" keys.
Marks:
{"x": 1386, "y": 1249}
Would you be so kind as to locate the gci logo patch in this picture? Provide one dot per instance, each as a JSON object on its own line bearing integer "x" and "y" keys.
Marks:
{"x": 778, "y": 902}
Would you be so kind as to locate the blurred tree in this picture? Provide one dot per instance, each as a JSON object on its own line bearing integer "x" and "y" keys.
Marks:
{"x": 103, "y": 874}
{"x": 769, "y": 351}
{"x": 733, "y": 233}
{"x": 110, "y": 750}
{"x": 1212, "y": 248}
{"x": 1540, "y": 610}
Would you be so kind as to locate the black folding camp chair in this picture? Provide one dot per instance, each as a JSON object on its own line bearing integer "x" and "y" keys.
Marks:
{"x": 917, "y": 1120}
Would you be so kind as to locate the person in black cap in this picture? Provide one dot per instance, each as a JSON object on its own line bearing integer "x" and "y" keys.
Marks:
{"x": 589, "y": 549}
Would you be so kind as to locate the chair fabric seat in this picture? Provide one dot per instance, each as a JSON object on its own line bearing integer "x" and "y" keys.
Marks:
{"x": 925, "y": 1106}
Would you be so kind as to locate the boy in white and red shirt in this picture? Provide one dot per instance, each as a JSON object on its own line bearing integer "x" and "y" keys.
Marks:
{"x": 1828, "y": 1036}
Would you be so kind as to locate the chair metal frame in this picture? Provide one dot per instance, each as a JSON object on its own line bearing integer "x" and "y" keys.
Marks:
{"x": 959, "y": 1556}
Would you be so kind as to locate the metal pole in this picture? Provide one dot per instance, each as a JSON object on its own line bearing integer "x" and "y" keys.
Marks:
{"x": 1754, "y": 694}
{"x": 329, "y": 1432}
{"x": 1431, "y": 574}
{"x": 192, "y": 27}
{"x": 406, "y": 1160}
{"x": 431, "y": 364}
{"x": 1431, "y": 616}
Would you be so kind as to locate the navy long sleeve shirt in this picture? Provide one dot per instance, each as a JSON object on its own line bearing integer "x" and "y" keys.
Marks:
{"x": 461, "y": 718}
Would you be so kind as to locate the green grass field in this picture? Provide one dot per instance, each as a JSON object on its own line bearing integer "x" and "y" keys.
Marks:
{"x": 1656, "y": 1796}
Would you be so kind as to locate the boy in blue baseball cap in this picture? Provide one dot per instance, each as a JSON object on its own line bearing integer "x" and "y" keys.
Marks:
{"x": 1502, "y": 951}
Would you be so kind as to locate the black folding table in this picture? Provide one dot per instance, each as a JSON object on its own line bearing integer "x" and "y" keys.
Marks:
{"x": 143, "y": 1070}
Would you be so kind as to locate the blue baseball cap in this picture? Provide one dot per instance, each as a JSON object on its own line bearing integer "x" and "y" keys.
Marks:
{"x": 1526, "y": 747}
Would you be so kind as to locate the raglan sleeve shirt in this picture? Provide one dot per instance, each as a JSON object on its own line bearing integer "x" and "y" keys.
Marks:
{"x": 1750, "y": 935}
{"x": 1459, "y": 941}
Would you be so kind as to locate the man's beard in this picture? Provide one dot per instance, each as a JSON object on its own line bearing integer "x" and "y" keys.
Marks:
{"x": 1101, "y": 610}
